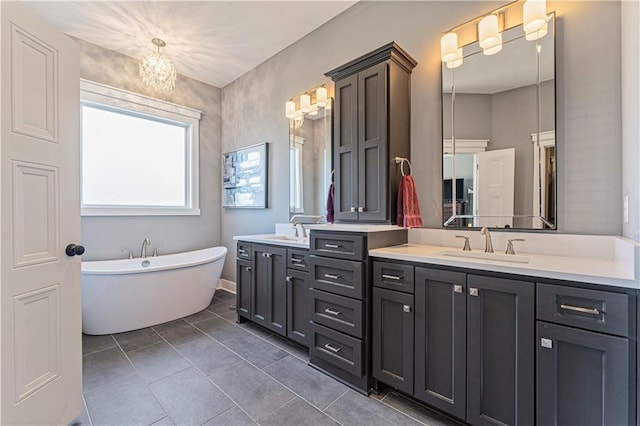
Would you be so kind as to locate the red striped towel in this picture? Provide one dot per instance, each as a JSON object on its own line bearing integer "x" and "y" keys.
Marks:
{"x": 408, "y": 207}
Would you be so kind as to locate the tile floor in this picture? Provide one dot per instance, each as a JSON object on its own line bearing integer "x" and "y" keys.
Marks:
{"x": 206, "y": 369}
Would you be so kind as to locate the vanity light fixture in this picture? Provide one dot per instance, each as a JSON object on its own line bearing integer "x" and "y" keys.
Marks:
{"x": 489, "y": 36}
{"x": 534, "y": 16}
{"x": 321, "y": 97}
{"x": 310, "y": 103}
{"x": 157, "y": 70}
{"x": 305, "y": 103}
{"x": 449, "y": 47}
{"x": 290, "y": 109}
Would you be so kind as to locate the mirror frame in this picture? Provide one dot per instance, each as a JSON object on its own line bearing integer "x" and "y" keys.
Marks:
{"x": 539, "y": 135}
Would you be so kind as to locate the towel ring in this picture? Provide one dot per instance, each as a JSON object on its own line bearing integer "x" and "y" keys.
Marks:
{"x": 401, "y": 161}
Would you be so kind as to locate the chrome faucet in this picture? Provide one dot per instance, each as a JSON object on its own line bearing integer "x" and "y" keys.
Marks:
{"x": 143, "y": 250}
{"x": 304, "y": 230}
{"x": 488, "y": 246}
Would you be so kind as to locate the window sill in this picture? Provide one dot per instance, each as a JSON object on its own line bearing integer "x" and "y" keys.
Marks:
{"x": 139, "y": 211}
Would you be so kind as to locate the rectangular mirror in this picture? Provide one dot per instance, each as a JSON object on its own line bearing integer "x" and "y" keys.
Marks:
{"x": 499, "y": 144}
{"x": 310, "y": 164}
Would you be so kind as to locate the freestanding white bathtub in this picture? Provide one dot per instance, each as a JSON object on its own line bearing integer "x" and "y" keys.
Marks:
{"x": 128, "y": 294}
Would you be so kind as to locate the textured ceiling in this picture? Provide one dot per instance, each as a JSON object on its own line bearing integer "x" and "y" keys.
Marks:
{"x": 212, "y": 41}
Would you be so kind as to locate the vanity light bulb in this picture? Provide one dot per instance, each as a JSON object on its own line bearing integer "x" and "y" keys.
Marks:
{"x": 449, "y": 47}
{"x": 492, "y": 50}
{"x": 534, "y": 15}
{"x": 290, "y": 109}
{"x": 321, "y": 96}
{"x": 488, "y": 32}
{"x": 456, "y": 62}
{"x": 535, "y": 35}
{"x": 305, "y": 103}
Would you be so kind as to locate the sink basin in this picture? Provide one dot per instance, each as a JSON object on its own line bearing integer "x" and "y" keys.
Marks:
{"x": 285, "y": 238}
{"x": 510, "y": 258}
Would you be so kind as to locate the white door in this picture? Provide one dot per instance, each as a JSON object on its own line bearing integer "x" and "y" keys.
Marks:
{"x": 41, "y": 340}
{"x": 495, "y": 187}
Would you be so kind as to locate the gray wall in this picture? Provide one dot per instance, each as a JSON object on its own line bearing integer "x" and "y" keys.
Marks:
{"x": 105, "y": 237}
{"x": 588, "y": 100}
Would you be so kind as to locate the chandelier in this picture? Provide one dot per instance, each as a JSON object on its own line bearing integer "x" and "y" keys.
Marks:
{"x": 157, "y": 70}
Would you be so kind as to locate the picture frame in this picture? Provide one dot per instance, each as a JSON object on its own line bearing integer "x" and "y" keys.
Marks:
{"x": 245, "y": 177}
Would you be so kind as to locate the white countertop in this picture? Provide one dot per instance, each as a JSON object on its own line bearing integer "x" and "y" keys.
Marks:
{"x": 275, "y": 239}
{"x": 608, "y": 271}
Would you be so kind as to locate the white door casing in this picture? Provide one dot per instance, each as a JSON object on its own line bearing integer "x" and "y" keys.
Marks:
{"x": 40, "y": 315}
{"x": 495, "y": 187}
{"x": 547, "y": 140}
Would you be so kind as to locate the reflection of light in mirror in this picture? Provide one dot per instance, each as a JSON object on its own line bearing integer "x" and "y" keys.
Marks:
{"x": 535, "y": 35}
{"x": 456, "y": 62}
{"x": 492, "y": 50}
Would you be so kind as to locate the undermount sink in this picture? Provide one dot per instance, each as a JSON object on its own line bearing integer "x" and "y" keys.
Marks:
{"x": 487, "y": 256}
{"x": 286, "y": 238}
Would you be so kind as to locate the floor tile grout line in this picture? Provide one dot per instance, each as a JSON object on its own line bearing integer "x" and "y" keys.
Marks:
{"x": 84, "y": 404}
{"x": 295, "y": 396}
{"x": 332, "y": 402}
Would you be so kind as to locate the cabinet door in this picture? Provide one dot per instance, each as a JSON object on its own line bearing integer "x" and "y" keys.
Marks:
{"x": 393, "y": 338}
{"x": 582, "y": 377}
{"x": 277, "y": 295}
{"x": 372, "y": 143}
{"x": 243, "y": 289}
{"x": 441, "y": 340}
{"x": 260, "y": 283}
{"x": 500, "y": 351}
{"x": 345, "y": 149}
{"x": 298, "y": 306}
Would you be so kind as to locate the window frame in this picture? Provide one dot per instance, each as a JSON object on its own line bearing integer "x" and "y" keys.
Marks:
{"x": 114, "y": 99}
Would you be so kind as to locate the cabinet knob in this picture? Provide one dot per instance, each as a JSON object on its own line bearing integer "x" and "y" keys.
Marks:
{"x": 360, "y": 209}
{"x": 353, "y": 209}
{"x": 248, "y": 268}
{"x": 288, "y": 279}
{"x": 406, "y": 308}
{"x": 473, "y": 292}
{"x": 546, "y": 343}
{"x": 457, "y": 288}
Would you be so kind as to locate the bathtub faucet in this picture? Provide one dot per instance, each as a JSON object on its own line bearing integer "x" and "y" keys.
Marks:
{"x": 143, "y": 250}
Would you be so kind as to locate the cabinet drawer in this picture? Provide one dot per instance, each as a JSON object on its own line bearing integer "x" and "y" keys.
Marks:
{"x": 339, "y": 245}
{"x": 393, "y": 276}
{"x": 336, "y": 348}
{"x": 338, "y": 312}
{"x": 298, "y": 260}
{"x": 596, "y": 310}
{"x": 342, "y": 277}
{"x": 243, "y": 251}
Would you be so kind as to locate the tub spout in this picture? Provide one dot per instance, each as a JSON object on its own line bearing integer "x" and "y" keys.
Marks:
{"x": 143, "y": 250}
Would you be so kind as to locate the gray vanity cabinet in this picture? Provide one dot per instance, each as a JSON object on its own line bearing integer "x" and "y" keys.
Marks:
{"x": 500, "y": 351}
{"x": 273, "y": 289}
{"x": 269, "y": 287}
{"x": 298, "y": 306}
{"x": 441, "y": 340}
{"x": 372, "y": 111}
{"x": 586, "y": 356}
{"x": 393, "y": 337}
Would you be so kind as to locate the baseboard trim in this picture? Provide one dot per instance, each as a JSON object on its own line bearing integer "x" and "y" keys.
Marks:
{"x": 227, "y": 285}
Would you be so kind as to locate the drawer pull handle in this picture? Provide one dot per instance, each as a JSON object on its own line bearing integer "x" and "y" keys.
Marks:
{"x": 332, "y": 277}
{"x": 332, "y": 348}
{"x": 332, "y": 312}
{"x": 242, "y": 251}
{"x": 333, "y": 246}
{"x": 392, "y": 277}
{"x": 592, "y": 311}
{"x": 295, "y": 260}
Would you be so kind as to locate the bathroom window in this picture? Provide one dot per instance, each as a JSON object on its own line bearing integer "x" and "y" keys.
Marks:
{"x": 139, "y": 155}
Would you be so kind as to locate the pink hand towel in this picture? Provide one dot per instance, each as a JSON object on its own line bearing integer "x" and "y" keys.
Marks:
{"x": 408, "y": 207}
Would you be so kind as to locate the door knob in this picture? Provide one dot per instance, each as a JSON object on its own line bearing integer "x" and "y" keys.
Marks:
{"x": 74, "y": 250}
